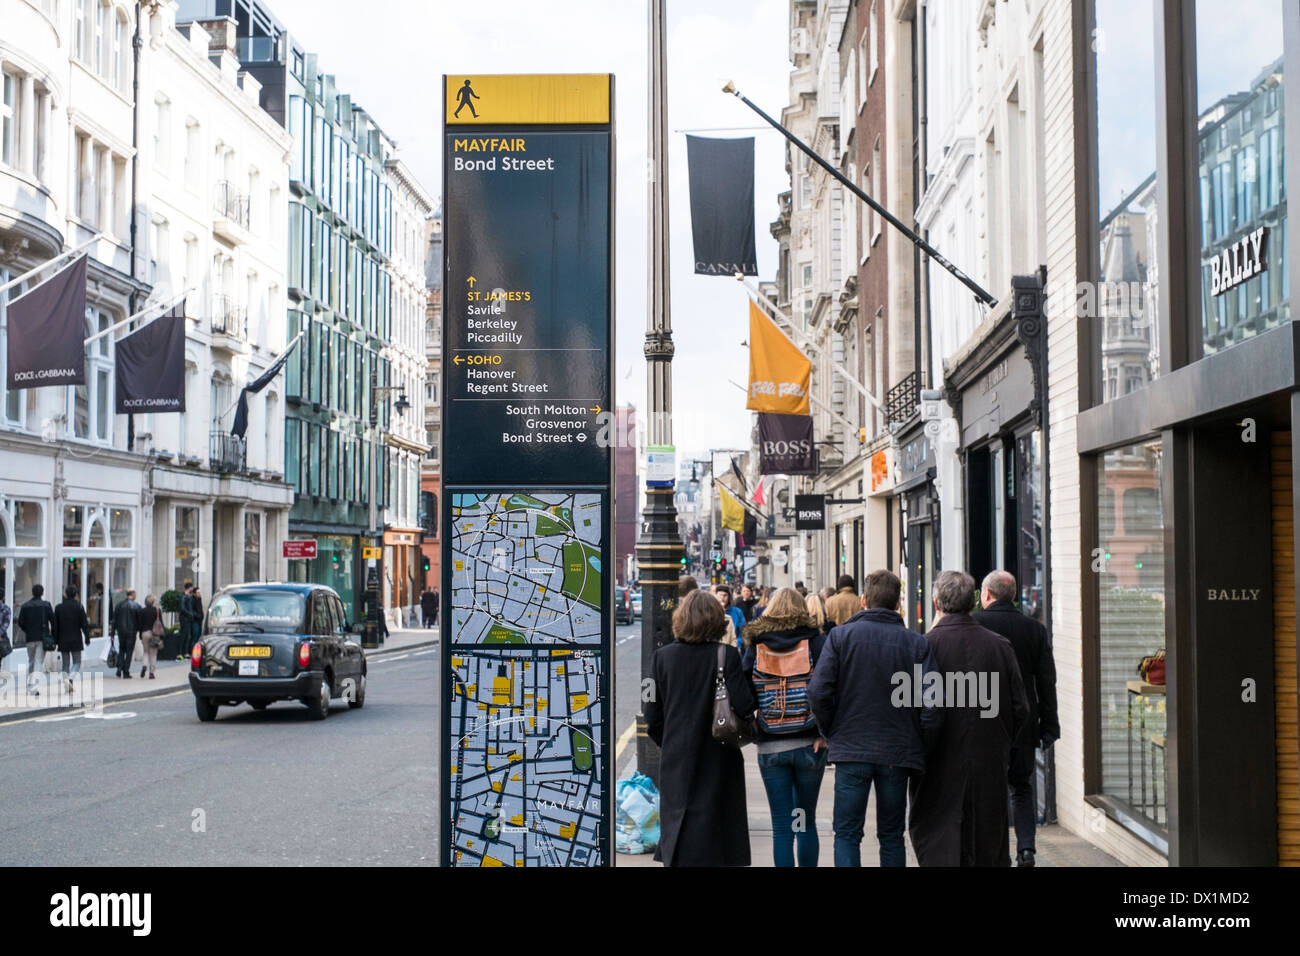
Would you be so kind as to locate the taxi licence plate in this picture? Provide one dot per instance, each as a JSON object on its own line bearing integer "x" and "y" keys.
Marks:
{"x": 245, "y": 651}
{"x": 248, "y": 668}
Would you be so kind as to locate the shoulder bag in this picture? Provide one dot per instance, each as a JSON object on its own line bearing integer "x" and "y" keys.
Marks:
{"x": 729, "y": 729}
{"x": 156, "y": 631}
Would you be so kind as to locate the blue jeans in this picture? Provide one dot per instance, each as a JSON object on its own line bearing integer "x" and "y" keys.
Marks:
{"x": 792, "y": 779}
{"x": 852, "y": 787}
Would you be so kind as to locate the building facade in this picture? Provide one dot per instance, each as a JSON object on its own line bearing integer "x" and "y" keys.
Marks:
{"x": 430, "y": 470}
{"x": 407, "y": 435}
{"x": 160, "y": 148}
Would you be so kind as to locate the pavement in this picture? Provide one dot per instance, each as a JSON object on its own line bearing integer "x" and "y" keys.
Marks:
{"x": 100, "y": 685}
{"x": 1057, "y": 847}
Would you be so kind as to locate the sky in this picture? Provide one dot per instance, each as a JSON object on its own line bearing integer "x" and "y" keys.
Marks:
{"x": 392, "y": 59}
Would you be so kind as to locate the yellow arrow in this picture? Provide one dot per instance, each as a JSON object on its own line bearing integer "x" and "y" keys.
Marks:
{"x": 596, "y": 409}
{"x": 471, "y": 280}
{"x": 458, "y": 360}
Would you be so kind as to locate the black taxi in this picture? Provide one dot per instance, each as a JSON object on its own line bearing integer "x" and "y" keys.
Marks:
{"x": 268, "y": 642}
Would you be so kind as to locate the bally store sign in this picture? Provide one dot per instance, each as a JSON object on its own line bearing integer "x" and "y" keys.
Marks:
{"x": 1244, "y": 259}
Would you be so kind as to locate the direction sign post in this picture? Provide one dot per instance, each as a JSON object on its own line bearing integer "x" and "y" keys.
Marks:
{"x": 295, "y": 548}
{"x": 526, "y": 764}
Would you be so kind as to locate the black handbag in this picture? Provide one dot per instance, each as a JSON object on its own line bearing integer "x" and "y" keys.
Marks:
{"x": 111, "y": 661}
{"x": 729, "y": 729}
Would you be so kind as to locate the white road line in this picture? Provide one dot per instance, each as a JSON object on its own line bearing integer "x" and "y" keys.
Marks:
{"x": 387, "y": 660}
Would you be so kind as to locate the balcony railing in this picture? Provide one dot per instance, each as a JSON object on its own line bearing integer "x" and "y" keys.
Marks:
{"x": 229, "y": 318}
{"x": 229, "y": 203}
{"x": 227, "y": 453}
{"x": 902, "y": 401}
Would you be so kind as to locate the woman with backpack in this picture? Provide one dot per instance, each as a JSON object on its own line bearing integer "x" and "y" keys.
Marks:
{"x": 781, "y": 649}
{"x": 701, "y": 781}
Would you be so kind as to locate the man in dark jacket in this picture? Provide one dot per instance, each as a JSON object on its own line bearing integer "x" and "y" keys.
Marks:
{"x": 71, "y": 633}
{"x": 36, "y": 618}
{"x": 872, "y": 739}
{"x": 1038, "y": 673}
{"x": 126, "y": 624}
{"x": 187, "y": 619}
{"x": 959, "y": 805}
{"x": 429, "y": 607}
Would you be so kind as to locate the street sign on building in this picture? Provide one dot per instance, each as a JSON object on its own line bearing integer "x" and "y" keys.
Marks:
{"x": 299, "y": 548}
{"x": 527, "y": 567}
{"x": 369, "y": 554}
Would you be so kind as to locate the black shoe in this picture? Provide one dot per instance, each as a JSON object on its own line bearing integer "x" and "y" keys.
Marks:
{"x": 1025, "y": 858}
{"x": 142, "y": 670}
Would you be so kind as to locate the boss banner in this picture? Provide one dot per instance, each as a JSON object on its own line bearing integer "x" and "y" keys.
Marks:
{"x": 785, "y": 444}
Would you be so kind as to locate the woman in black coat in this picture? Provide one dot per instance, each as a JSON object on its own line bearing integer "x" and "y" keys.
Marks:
{"x": 71, "y": 632}
{"x": 703, "y": 820}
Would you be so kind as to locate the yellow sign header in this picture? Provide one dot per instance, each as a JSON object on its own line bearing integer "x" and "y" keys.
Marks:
{"x": 548, "y": 98}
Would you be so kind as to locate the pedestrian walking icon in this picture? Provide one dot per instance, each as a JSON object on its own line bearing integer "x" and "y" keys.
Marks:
{"x": 464, "y": 94}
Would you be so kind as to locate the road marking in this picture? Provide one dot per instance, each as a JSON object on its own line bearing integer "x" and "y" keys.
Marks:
{"x": 624, "y": 640}
{"x": 89, "y": 715}
{"x": 107, "y": 703}
{"x": 389, "y": 660}
{"x": 422, "y": 653}
{"x": 623, "y": 739}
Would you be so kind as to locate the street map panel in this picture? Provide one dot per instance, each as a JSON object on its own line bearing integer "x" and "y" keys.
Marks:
{"x": 526, "y": 786}
{"x": 526, "y": 568}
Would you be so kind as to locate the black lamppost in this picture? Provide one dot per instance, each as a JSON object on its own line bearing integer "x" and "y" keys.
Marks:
{"x": 371, "y": 599}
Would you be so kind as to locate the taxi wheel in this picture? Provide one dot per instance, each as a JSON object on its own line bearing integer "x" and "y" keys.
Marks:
{"x": 319, "y": 707}
{"x": 359, "y": 696}
{"x": 205, "y": 708}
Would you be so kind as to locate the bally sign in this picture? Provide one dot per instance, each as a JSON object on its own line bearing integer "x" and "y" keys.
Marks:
{"x": 809, "y": 512}
{"x": 300, "y": 548}
{"x": 1244, "y": 259}
{"x": 785, "y": 444}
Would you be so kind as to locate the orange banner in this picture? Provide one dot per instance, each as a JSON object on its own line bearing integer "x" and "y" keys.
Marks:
{"x": 779, "y": 374}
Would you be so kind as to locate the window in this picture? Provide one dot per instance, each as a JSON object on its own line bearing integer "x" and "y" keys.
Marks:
{"x": 82, "y": 25}
{"x": 872, "y": 45}
{"x": 186, "y": 561}
{"x": 876, "y": 218}
{"x": 121, "y": 53}
{"x": 1241, "y": 166}
{"x": 162, "y": 133}
{"x": 1131, "y": 624}
{"x": 101, "y": 37}
{"x": 292, "y": 454}
{"x": 89, "y": 407}
{"x": 252, "y": 546}
{"x": 14, "y": 410}
{"x": 1127, "y": 191}
{"x": 9, "y": 120}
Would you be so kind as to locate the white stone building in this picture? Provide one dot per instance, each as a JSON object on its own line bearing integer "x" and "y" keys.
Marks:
{"x": 89, "y": 497}
{"x": 407, "y": 437}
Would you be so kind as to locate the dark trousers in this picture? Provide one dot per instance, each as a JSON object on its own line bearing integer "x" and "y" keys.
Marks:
{"x": 852, "y": 788}
{"x": 1023, "y": 812}
{"x": 429, "y": 618}
{"x": 125, "y": 649}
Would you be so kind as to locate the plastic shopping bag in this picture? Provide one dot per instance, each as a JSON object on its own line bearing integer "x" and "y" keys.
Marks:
{"x": 636, "y": 820}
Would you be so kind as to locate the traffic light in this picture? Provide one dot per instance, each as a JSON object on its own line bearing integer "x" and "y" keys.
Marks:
{"x": 722, "y": 564}
{"x": 426, "y": 565}
{"x": 683, "y": 562}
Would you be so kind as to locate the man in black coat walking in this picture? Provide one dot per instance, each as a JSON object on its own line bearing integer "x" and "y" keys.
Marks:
{"x": 872, "y": 739}
{"x": 1038, "y": 672}
{"x": 36, "y": 618}
{"x": 71, "y": 633}
{"x": 959, "y": 805}
{"x": 126, "y": 624}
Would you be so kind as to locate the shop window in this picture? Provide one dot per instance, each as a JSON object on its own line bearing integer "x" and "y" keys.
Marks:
{"x": 74, "y": 518}
{"x": 252, "y": 546}
{"x": 1124, "y": 52}
{"x": 1131, "y": 626}
{"x": 1239, "y": 82}
{"x": 186, "y": 545}
{"x": 119, "y": 528}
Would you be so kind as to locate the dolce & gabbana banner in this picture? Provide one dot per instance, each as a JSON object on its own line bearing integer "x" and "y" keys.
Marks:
{"x": 47, "y": 331}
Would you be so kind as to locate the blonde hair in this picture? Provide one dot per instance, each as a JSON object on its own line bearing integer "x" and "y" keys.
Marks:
{"x": 787, "y": 602}
{"x": 813, "y": 603}
{"x": 150, "y": 601}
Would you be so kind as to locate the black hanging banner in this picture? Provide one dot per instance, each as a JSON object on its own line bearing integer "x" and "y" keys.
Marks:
{"x": 721, "y": 173}
{"x": 240, "y": 424}
{"x": 785, "y": 444}
{"x": 47, "y": 331}
{"x": 151, "y": 366}
{"x": 810, "y": 512}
